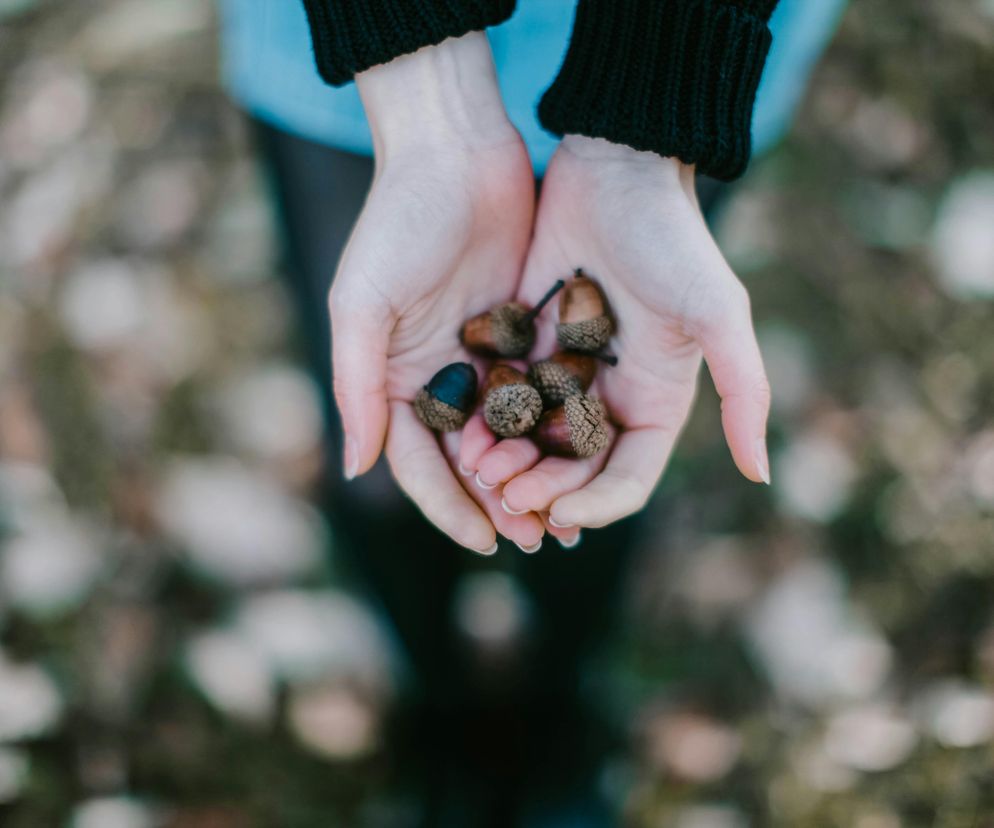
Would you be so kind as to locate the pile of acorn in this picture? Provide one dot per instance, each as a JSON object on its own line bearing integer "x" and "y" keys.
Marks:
{"x": 548, "y": 403}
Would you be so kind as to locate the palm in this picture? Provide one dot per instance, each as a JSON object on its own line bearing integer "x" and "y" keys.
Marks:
{"x": 439, "y": 240}
{"x": 636, "y": 227}
{"x": 658, "y": 361}
{"x": 443, "y": 241}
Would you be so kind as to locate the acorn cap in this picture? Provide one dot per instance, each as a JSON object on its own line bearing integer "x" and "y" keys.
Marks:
{"x": 553, "y": 382}
{"x": 562, "y": 375}
{"x": 587, "y": 336}
{"x": 578, "y": 428}
{"x": 512, "y": 410}
{"x": 587, "y": 424}
{"x": 437, "y": 415}
{"x": 584, "y": 322}
{"x": 445, "y": 403}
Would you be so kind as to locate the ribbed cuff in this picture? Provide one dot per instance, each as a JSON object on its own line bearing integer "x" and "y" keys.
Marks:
{"x": 350, "y": 36}
{"x": 675, "y": 77}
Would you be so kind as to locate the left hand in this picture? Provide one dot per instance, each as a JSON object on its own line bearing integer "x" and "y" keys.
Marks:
{"x": 631, "y": 220}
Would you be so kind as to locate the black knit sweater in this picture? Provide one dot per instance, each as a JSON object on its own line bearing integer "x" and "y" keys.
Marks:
{"x": 676, "y": 77}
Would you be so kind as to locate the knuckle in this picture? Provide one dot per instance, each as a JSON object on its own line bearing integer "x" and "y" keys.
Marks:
{"x": 340, "y": 304}
{"x": 347, "y": 300}
{"x": 447, "y": 510}
{"x": 761, "y": 392}
{"x": 346, "y": 386}
{"x": 717, "y": 308}
{"x": 341, "y": 386}
{"x": 739, "y": 295}
{"x": 534, "y": 492}
{"x": 630, "y": 495}
{"x": 732, "y": 304}
{"x": 408, "y": 463}
{"x": 757, "y": 392}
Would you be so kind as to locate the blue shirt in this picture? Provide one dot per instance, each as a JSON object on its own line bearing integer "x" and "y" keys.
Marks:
{"x": 269, "y": 69}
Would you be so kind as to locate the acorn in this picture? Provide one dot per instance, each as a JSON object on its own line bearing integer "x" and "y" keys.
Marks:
{"x": 507, "y": 330}
{"x": 577, "y": 428}
{"x": 511, "y": 406}
{"x": 563, "y": 374}
{"x": 446, "y": 402}
{"x": 584, "y": 324}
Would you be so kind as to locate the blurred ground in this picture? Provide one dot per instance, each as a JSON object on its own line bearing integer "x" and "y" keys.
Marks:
{"x": 817, "y": 654}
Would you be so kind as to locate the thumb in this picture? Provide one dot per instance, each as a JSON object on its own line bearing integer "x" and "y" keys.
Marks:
{"x": 360, "y": 337}
{"x": 736, "y": 367}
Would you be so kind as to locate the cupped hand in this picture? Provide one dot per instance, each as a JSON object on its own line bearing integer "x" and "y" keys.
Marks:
{"x": 443, "y": 236}
{"x": 631, "y": 220}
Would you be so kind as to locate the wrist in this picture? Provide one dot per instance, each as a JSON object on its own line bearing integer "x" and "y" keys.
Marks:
{"x": 664, "y": 170}
{"x": 602, "y": 150}
{"x": 444, "y": 95}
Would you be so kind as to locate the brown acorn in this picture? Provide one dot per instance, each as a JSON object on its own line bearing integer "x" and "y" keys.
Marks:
{"x": 577, "y": 428}
{"x": 507, "y": 330}
{"x": 584, "y": 323}
{"x": 565, "y": 373}
{"x": 511, "y": 406}
{"x": 446, "y": 402}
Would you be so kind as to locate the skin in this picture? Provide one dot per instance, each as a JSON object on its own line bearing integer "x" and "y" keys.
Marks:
{"x": 447, "y": 232}
{"x": 451, "y": 201}
{"x": 632, "y": 220}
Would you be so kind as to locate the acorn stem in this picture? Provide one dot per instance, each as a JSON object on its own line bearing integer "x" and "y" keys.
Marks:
{"x": 529, "y": 317}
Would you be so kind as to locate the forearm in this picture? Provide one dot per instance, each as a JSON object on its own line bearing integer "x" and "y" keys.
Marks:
{"x": 674, "y": 77}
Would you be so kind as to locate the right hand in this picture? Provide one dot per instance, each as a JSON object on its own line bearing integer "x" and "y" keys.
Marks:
{"x": 442, "y": 237}
{"x": 632, "y": 220}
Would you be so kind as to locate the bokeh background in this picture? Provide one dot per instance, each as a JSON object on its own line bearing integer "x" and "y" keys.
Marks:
{"x": 177, "y": 647}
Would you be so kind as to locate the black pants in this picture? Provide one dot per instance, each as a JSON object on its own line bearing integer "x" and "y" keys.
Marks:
{"x": 526, "y": 728}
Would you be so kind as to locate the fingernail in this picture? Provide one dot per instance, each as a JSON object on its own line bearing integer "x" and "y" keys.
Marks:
{"x": 558, "y": 525}
{"x": 762, "y": 460}
{"x": 351, "y": 458}
{"x": 464, "y": 471}
{"x": 482, "y": 485}
{"x": 530, "y": 549}
{"x": 509, "y": 510}
{"x": 565, "y": 544}
{"x": 491, "y": 551}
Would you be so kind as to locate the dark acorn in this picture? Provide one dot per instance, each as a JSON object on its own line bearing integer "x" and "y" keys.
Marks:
{"x": 511, "y": 406}
{"x": 446, "y": 402}
{"x": 505, "y": 331}
{"x": 584, "y": 323}
{"x": 577, "y": 428}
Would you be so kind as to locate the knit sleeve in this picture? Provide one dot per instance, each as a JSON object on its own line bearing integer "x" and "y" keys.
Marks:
{"x": 675, "y": 77}
{"x": 350, "y": 36}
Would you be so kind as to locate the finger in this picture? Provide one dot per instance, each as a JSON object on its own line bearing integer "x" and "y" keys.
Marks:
{"x": 569, "y": 538}
{"x": 423, "y": 472}
{"x": 551, "y": 478}
{"x": 524, "y": 530}
{"x": 624, "y": 486}
{"x": 476, "y": 440}
{"x": 360, "y": 338}
{"x": 505, "y": 460}
{"x": 736, "y": 365}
